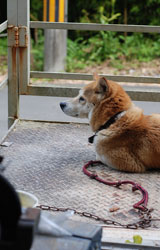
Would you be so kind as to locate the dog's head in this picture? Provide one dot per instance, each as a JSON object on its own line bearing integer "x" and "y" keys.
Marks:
{"x": 98, "y": 95}
{"x": 88, "y": 97}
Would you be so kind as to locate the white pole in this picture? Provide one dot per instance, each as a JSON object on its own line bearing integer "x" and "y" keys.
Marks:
{"x": 55, "y": 48}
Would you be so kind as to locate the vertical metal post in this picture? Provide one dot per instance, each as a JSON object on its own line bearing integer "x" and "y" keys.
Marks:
{"x": 13, "y": 90}
{"x": 18, "y": 54}
{"x": 24, "y": 44}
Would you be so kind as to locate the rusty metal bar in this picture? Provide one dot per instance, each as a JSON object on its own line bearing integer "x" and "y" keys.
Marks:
{"x": 4, "y": 83}
{"x": 3, "y": 26}
{"x": 96, "y": 27}
{"x": 89, "y": 77}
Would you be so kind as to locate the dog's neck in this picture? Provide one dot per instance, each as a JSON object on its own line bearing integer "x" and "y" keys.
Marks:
{"x": 98, "y": 118}
{"x": 107, "y": 124}
{"x": 112, "y": 120}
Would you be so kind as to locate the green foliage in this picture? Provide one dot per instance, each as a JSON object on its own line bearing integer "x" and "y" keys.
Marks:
{"x": 3, "y": 46}
{"x": 105, "y": 45}
{"x": 89, "y": 48}
{"x": 104, "y": 13}
{"x": 95, "y": 48}
{"x": 137, "y": 239}
{"x": 37, "y": 52}
{"x": 3, "y": 55}
{"x": 139, "y": 47}
{"x": 139, "y": 12}
{"x": 36, "y": 7}
{"x": 75, "y": 58}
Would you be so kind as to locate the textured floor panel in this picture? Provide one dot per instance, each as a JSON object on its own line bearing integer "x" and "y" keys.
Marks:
{"x": 47, "y": 159}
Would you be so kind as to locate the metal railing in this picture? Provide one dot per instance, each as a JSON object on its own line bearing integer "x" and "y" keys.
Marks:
{"x": 136, "y": 93}
{"x": 96, "y": 27}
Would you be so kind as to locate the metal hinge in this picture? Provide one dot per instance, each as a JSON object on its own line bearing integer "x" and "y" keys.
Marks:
{"x": 17, "y": 36}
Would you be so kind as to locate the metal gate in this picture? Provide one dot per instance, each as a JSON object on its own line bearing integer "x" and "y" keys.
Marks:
{"x": 19, "y": 73}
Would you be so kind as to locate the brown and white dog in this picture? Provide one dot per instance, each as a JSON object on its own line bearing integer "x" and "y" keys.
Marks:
{"x": 124, "y": 138}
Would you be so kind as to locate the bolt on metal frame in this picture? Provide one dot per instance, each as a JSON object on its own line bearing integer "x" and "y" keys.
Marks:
{"x": 19, "y": 60}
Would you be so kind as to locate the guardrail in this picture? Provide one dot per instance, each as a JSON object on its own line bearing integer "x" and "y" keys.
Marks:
{"x": 96, "y": 27}
{"x": 89, "y": 77}
{"x": 136, "y": 93}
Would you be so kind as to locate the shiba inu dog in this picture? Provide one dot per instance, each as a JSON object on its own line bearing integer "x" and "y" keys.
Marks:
{"x": 124, "y": 138}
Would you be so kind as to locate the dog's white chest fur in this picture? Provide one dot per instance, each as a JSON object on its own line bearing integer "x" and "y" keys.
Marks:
{"x": 101, "y": 157}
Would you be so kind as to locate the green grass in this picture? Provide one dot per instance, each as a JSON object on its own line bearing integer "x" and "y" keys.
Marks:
{"x": 107, "y": 45}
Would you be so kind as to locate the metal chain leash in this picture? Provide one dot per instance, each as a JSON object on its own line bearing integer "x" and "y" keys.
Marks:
{"x": 145, "y": 217}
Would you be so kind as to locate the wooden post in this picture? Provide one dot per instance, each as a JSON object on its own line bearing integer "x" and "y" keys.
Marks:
{"x": 55, "y": 40}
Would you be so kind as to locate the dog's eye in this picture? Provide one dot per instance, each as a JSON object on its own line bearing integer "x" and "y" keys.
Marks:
{"x": 97, "y": 92}
{"x": 81, "y": 99}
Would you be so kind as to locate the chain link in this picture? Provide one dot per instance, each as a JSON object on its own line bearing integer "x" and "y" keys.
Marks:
{"x": 145, "y": 217}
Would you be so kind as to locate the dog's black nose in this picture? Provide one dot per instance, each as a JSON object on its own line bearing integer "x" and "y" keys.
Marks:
{"x": 62, "y": 105}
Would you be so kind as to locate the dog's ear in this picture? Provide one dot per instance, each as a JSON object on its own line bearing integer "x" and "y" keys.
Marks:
{"x": 103, "y": 85}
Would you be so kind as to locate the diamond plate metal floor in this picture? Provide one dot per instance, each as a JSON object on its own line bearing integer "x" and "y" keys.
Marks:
{"x": 46, "y": 159}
